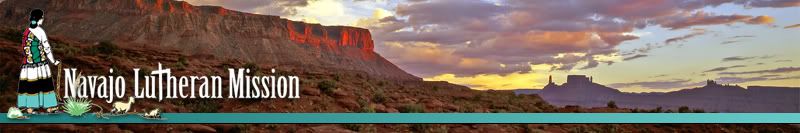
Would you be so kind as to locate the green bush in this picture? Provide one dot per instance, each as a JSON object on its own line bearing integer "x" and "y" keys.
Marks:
{"x": 412, "y": 108}
{"x": 182, "y": 63}
{"x": 378, "y": 96}
{"x": 107, "y": 48}
{"x": 327, "y": 86}
{"x": 367, "y": 109}
{"x": 252, "y": 66}
{"x": 76, "y": 107}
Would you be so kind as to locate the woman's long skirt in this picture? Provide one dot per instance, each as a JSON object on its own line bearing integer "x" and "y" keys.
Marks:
{"x": 36, "y": 89}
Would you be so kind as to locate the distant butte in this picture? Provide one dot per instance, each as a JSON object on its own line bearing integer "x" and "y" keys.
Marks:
{"x": 580, "y": 90}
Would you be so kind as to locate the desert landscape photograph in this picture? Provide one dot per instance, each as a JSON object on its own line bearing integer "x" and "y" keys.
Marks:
{"x": 398, "y": 56}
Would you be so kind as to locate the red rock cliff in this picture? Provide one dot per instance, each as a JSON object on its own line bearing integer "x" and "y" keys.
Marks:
{"x": 332, "y": 38}
{"x": 159, "y": 24}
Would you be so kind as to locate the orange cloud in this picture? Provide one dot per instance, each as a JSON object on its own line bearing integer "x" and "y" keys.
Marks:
{"x": 761, "y": 20}
{"x": 702, "y": 18}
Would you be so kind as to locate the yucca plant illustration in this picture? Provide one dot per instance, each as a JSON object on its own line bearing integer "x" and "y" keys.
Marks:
{"x": 76, "y": 107}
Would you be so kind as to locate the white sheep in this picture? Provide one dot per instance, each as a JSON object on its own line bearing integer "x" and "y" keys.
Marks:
{"x": 121, "y": 108}
{"x": 153, "y": 114}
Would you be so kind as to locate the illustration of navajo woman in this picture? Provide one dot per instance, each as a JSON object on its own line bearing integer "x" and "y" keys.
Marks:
{"x": 36, "y": 89}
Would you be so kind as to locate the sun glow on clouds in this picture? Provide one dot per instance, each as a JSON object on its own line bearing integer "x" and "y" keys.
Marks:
{"x": 535, "y": 78}
{"x": 514, "y": 80}
{"x": 328, "y": 12}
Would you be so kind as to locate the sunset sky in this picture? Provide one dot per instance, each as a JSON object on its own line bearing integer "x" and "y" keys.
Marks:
{"x": 631, "y": 45}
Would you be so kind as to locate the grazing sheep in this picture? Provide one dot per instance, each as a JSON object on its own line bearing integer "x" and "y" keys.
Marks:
{"x": 153, "y": 114}
{"x": 121, "y": 108}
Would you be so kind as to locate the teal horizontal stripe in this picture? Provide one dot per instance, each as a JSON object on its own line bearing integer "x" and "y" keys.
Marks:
{"x": 426, "y": 118}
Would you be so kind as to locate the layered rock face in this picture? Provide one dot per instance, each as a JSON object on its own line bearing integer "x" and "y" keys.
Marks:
{"x": 207, "y": 30}
{"x": 332, "y": 38}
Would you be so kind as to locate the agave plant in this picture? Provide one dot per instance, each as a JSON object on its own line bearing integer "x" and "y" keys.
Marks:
{"x": 76, "y": 107}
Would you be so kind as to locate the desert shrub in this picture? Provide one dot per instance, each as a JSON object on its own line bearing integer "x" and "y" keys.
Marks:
{"x": 382, "y": 83}
{"x": 327, "y": 86}
{"x": 698, "y": 111}
{"x": 337, "y": 77}
{"x": 144, "y": 71}
{"x": 412, "y": 108}
{"x": 76, "y": 107}
{"x": 118, "y": 71}
{"x": 199, "y": 105}
{"x": 441, "y": 129}
{"x": 378, "y": 96}
{"x": 610, "y": 128}
{"x": 684, "y": 109}
{"x": 63, "y": 47}
{"x": 367, "y": 109}
{"x": 252, "y": 66}
{"x": 182, "y": 63}
{"x": 107, "y": 48}
{"x": 420, "y": 128}
{"x": 352, "y": 127}
{"x": 611, "y": 104}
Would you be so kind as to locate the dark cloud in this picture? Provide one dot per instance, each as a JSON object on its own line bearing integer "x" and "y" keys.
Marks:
{"x": 658, "y": 76}
{"x": 742, "y": 58}
{"x": 703, "y": 18}
{"x": 591, "y": 64}
{"x": 736, "y": 80}
{"x": 776, "y": 70}
{"x": 770, "y": 3}
{"x": 665, "y": 84}
{"x": 742, "y": 36}
{"x": 695, "y": 32}
{"x": 723, "y": 68}
{"x": 792, "y": 26}
{"x": 783, "y": 61}
{"x": 735, "y": 39}
{"x": 785, "y": 78}
{"x": 729, "y": 42}
{"x": 737, "y": 58}
{"x": 634, "y": 57}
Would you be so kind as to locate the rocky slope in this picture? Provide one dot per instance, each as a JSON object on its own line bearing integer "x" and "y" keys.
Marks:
{"x": 207, "y": 30}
